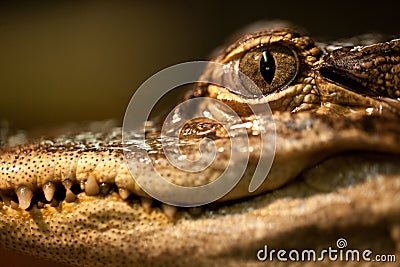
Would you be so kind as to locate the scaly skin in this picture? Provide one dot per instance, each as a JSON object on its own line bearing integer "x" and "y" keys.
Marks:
{"x": 338, "y": 133}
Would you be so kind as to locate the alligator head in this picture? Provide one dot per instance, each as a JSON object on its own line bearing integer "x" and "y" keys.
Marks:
{"x": 335, "y": 173}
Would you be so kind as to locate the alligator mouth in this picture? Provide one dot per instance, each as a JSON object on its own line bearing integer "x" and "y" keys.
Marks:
{"x": 55, "y": 194}
{"x": 336, "y": 172}
{"x": 325, "y": 137}
{"x": 350, "y": 192}
{"x": 285, "y": 218}
{"x": 341, "y": 170}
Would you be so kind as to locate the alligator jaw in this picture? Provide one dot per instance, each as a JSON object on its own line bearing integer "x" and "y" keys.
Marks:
{"x": 119, "y": 233}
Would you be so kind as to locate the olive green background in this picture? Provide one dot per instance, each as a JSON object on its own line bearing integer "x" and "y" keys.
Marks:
{"x": 82, "y": 60}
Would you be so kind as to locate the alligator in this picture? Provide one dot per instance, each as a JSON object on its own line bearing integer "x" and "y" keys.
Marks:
{"x": 335, "y": 173}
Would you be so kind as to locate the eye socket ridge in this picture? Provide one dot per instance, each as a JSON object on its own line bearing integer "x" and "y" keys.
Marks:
{"x": 271, "y": 67}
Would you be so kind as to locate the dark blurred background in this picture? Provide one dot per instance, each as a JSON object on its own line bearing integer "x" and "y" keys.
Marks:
{"x": 82, "y": 60}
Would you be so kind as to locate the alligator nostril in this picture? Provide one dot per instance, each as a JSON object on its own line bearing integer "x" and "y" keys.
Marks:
{"x": 344, "y": 79}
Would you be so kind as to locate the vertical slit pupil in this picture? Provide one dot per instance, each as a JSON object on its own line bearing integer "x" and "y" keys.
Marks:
{"x": 267, "y": 66}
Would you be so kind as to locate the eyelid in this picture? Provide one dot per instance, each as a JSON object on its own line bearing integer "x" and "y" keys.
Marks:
{"x": 257, "y": 39}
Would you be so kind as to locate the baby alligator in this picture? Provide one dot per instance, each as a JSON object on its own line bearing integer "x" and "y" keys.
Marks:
{"x": 335, "y": 173}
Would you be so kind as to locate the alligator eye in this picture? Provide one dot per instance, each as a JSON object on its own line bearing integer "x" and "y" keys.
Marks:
{"x": 270, "y": 67}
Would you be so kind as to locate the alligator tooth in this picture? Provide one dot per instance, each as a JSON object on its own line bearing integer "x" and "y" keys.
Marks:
{"x": 146, "y": 203}
{"x": 91, "y": 186}
{"x": 82, "y": 185}
{"x": 169, "y": 210}
{"x": 67, "y": 183}
{"x": 124, "y": 193}
{"x": 24, "y": 195}
{"x": 69, "y": 196}
{"x": 48, "y": 189}
{"x": 195, "y": 211}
